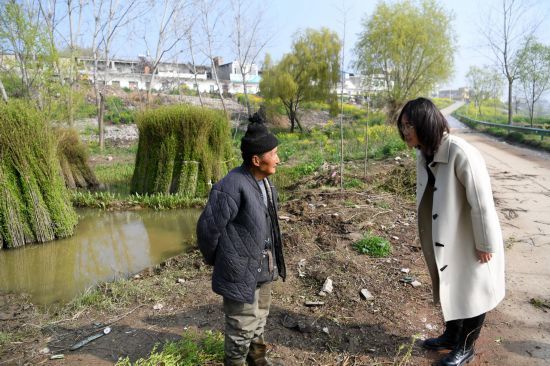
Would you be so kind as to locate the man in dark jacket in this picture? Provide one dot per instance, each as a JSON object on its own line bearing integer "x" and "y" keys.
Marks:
{"x": 238, "y": 233}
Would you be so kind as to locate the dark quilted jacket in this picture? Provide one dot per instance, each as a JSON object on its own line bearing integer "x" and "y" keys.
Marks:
{"x": 231, "y": 232}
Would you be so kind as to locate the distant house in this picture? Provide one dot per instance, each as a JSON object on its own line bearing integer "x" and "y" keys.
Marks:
{"x": 455, "y": 94}
{"x": 361, "y": 85}
{"x": 231, "y": 78}
{"x": 136, "y": 74}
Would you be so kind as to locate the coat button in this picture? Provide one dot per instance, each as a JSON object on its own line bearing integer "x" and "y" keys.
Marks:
{"x": 435, "y": 216}
{"x": 443, "y": 268}
{"x": 259, "y": 269}
{"x": 435, "y": 189}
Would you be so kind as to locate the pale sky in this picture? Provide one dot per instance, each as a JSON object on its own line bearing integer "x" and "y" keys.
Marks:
{"x": 470, "y": 15}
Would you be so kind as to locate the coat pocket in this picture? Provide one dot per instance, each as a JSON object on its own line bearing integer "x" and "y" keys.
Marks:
{"x": 234, "y": 268}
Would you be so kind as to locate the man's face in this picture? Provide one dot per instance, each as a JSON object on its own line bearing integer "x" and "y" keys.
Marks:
{"x": 266, "y": 164}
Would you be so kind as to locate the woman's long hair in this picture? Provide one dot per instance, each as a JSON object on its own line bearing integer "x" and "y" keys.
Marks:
{"x": 429, "y": 123}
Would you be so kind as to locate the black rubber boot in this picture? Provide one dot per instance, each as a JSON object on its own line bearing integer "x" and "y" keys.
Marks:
{"x": 448, "y": 340}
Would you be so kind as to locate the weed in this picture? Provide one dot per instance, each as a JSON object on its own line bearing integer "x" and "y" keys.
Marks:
{"x": 404, "y": 353}
{"x": 373, "y": 245}
{"x": 540, "y": 304}
{"x": 192, "y": 349}
{"x": 5, "y": 338}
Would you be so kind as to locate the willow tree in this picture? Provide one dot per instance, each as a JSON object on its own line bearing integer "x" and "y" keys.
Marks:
{"x": 34, "y": 203}
{"x": 308, "y": 73}
{"x": 182, "y": 149}
{"x": 409, "y": 48}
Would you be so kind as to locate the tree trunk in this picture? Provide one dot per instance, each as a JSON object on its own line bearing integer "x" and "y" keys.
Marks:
{"x": 195, "y": 70}
{"x": 510, "y": 111}
{"x": 215, "y": 74}
{"x": 248, "y": 108}
{"x": 3, "y": 91}
{"x": 100, "y": 121}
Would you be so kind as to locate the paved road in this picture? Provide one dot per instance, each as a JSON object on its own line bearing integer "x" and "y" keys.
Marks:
{"x": 518, "y": 333}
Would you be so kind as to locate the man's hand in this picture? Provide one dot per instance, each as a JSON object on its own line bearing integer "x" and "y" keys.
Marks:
{"x": 483, "y": 257}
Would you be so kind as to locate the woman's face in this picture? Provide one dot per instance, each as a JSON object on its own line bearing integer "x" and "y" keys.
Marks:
{"x": 409, "y": 132}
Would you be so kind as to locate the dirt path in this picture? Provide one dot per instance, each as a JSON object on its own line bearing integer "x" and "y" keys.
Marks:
{"x": 517, "y": 332}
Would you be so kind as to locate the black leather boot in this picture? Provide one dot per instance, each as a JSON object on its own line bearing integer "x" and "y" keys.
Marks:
{"x": 449, "y": 338}
{"x": 458, "y": 356}
{"x": 463, "y": 353}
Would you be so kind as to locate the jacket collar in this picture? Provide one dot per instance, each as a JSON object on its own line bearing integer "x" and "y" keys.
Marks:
{"x": 442, "y": 153}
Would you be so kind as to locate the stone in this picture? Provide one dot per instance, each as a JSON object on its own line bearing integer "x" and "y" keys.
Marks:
{"x": 367, "y": 295}
{"x": 158, "y": 307}
{"x": 415, "y": 284}
{"x": 181, "y": 280}
{"x": 405, "y": 270}
{"x": 327, "y": 286}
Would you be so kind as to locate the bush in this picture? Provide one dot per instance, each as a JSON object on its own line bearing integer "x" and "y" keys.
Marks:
{"x": 373, "y": 245}
{"x": 515, "y": 136}
{"x": 117, "y": 112}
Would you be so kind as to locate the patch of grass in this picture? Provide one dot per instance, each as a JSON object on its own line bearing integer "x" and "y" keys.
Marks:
{"x": 157, "y": 201}
{"x": 5, "y": 338}
{"x": 353, "y": 183}
{"x": 116, "y": 177}
{"x": 191, "y": 350}
{"x": 373, "y": 245}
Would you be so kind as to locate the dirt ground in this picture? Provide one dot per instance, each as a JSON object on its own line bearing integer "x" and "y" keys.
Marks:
{"x": 319, "y": 225}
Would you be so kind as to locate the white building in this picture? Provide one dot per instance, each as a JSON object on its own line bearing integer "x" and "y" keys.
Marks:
{"x": 136, "y": 75}
{"x": 231, "y": 78}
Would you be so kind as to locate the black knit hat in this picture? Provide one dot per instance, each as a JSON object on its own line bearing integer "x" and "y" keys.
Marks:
{"x": 257, "y": 139}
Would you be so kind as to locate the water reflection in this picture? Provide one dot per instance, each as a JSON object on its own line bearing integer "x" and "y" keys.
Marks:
{"x": 106, "y": 245}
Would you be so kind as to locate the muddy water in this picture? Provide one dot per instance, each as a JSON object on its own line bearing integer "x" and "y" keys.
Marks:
{"x": 105, "y": 246}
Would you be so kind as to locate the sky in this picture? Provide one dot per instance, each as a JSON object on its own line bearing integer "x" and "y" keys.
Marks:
{"x": 469, "y": 16}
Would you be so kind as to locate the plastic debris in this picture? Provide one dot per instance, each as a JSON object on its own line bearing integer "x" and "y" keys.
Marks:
{"x": 58, "y": 357}
{"x": 91, "y": 338}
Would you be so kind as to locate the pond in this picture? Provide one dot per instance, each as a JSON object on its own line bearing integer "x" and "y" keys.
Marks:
{"x": 106, "y": 246}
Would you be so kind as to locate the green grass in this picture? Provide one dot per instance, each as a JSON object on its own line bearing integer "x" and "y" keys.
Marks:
{"x": 191, "y": 350}
{"x": 373, "y": 245}
{"x": 157, "y": 201}
{"x": 116, "y": 177}
{"x": 442, "y": 102}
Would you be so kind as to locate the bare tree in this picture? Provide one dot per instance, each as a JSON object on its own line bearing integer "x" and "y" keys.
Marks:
{"x": 72, "y": 7}
{"x": 193, "y": 64}
{"x": 505, "y": 38}
{"x": 165, "y": 44}
{"x": 249, "y": 39}
{"x": 211, "y": 13}
{"x": 109, "y": 18}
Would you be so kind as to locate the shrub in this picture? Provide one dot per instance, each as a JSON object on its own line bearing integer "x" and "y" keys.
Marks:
{"x": 373, "y": 245}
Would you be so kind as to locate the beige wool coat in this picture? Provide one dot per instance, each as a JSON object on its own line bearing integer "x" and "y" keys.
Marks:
{"x": 454, "y": 218}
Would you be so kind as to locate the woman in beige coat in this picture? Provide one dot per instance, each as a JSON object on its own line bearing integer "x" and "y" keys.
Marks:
{"x": 458, "y": 227}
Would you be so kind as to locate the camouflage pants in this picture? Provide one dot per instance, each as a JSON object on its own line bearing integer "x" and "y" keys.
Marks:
{"x": 244, "y": 323}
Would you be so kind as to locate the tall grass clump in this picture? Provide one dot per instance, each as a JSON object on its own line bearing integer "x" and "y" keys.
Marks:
{"x": 34, "y": 202}
{"x": 182, "y": 149}
{"x": 73, "y": 158}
